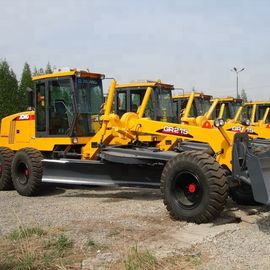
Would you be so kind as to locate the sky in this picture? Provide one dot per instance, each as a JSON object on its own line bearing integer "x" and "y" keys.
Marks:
{"x": 192, "y": 44}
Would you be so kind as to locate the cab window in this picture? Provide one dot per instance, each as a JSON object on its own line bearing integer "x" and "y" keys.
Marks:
{"x": 121, "y": 103}
{"x": 61, "y": 107}
{"x": 40, "y": 108}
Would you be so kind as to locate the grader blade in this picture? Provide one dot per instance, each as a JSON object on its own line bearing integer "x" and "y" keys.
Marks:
{"x": 251, "y": 165}
{"x": 118, "y": 166}
{"x": 259, "y": 174}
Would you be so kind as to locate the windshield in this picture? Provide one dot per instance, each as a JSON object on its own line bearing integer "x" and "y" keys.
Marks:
{"x": 246, "y": 112}
{"x": 261, "y": 111}
{"x": 89, "y": 95}
{"x": 234, "y": 108}
{"x": 202, "y": 106}
{"x": 89, "y": 98}
{"x": 165, "y": 110}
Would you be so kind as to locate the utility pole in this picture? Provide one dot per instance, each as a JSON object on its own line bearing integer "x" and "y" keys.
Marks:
{"x": 237, "y": 71}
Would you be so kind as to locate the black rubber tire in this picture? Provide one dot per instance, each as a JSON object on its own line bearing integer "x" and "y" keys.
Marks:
{"x": 212, "y": 182}
{"x": 27, "y": 159}
{"x": 6, "y": 156}
{"x": 242, "y": 195}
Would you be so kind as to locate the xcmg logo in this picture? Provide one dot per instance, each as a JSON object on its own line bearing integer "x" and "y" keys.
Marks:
{"x": 25, "y": 117}
{"x": 236, "y": 129}
{"x": 175, "y": 131}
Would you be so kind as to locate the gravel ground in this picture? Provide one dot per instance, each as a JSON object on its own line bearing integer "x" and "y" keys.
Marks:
{"x": 125, "y": 217}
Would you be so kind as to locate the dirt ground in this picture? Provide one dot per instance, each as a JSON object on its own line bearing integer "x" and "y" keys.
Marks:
{"x": 125, "y": 225}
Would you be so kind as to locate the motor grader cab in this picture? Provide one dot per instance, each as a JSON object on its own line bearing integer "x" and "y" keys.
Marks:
{"x": 129, "y": 98}
{"x": 194, "y": 183}
{"x": 227, "y": 107}
{"x": 200, "y": 104}
{"x": 257, "y": 112}
{"x": 67, "y": 103}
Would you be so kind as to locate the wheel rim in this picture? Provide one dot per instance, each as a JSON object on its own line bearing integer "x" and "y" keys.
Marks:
{"x": 187, "y": 190}
{"x": 22, "y": 172}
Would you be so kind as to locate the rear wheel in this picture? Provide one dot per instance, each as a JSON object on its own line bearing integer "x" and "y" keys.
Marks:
{"x": 27, "y": 171}
{"x": 6, "y": 156}
{"x": 194, "y": 187}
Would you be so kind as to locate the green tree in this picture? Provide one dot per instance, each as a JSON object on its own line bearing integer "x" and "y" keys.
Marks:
{"x": 48, "y": 68}
{"x": 39, "y": 71}
{"x": 244, "y": 95}
{"x": 26, "y": 81}
{"x": 8, "y": 90}
{"x": 35, "y": 71}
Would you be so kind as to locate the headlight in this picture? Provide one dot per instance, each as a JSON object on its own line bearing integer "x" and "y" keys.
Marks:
{"x": 74, "y": 140}
{"x": 246, "y": 122}
{"x": 219, "y": 122}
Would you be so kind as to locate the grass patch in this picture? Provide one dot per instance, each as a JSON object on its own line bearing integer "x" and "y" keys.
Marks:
{"x": 25, "y": 262}
{"x": 48, "y": 258}
{"x": 59, "y": 244}
{"x": 137, "y": 260}
{"x": 29, "y": 248}
{"x": 194, "y": 258}
{"x": 22, "y": 233}
{"x": 93, "y": 245}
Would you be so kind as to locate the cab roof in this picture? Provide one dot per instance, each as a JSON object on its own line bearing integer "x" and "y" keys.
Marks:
{"x": 144, "y": 84}
{"x": 196, "y": 94}
{"x": 66, "y": 72}
{"x": 258, "y": 103}
{"x": 229, "y": 99}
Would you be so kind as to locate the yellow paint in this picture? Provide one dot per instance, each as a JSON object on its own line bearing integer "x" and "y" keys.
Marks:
{"x": 72, "y": 72}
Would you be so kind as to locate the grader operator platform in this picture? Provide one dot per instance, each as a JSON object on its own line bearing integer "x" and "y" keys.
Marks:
{"x": 36, "y": 147}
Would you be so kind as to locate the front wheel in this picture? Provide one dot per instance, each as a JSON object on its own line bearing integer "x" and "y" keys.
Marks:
{"x": 27, "y": 171}
{"x": 194, "y": 187}
{"x": 6, "y": 156}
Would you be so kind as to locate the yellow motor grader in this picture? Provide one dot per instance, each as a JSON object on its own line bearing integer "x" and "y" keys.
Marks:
{"x": 125, "y": 97}
{"x": 60, "y": 141}
{"x": 252, "y": 117}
